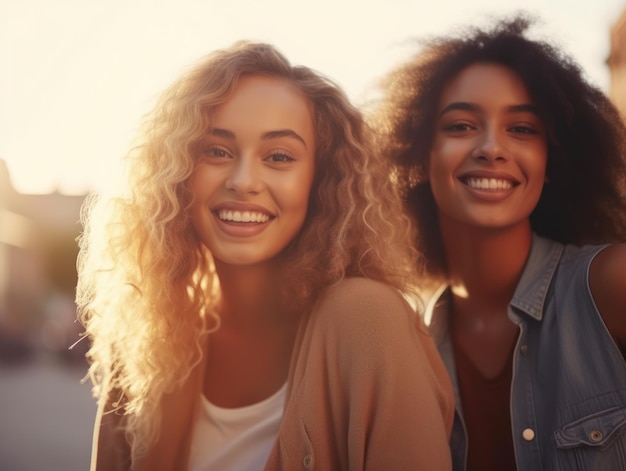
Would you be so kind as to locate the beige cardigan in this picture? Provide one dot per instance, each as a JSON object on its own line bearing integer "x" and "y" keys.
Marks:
{"x": 367, "y": 391}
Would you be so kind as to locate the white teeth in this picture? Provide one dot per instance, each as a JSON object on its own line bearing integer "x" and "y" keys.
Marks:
{"x": 242, "y": 216}
{"x": 489, "y": 183}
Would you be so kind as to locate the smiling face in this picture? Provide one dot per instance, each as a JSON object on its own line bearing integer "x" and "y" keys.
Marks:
{"x": 489, "y": 153}
{"x": 254, "y": 174}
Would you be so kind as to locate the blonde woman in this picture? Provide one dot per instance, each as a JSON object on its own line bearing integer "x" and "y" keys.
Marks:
{"x": 243, "y": 299}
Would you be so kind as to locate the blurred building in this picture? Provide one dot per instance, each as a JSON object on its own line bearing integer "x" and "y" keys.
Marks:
{"x": 37, "y": 266}
{"x": 617, "y": 64}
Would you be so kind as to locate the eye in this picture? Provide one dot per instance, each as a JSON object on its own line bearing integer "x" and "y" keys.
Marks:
{"x": 523, "y": 130}
{"x": 280, "y": 157}
{"x": 458, "y": 127}
{"x": 217, "y": 152}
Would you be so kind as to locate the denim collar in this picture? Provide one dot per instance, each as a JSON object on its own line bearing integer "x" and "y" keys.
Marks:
{"x": 529, "y": 296}
{"x": 532, "y": 288}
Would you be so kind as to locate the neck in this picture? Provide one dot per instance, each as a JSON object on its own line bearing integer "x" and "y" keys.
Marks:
{"x": 484, "y": 264}
{"x": 252, "y": 296}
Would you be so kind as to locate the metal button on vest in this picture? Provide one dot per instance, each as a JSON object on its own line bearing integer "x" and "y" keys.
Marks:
{"x": 528, "y": 434}
{"x": 524, "y": 348}
{"x": 307, "y": 462}
{"x": 595, "y": 436}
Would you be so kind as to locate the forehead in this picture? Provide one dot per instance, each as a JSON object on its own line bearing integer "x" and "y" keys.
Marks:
{"x": 485, "y": 83}
{"x": 275, "y": 98}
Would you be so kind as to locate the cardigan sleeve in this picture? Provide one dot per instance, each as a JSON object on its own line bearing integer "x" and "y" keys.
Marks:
{"x": 369, "y": 391}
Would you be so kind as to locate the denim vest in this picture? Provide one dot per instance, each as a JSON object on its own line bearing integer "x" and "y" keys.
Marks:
{"x": 568, "y": 391}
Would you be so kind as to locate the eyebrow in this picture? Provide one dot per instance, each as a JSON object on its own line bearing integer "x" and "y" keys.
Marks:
{"x": 225, "y": 133}
{"x": 465, "y": 106}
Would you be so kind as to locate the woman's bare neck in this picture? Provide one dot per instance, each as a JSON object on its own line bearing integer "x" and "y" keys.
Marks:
{"x": 484, "y": 264}
{"x": 252, "y": 297}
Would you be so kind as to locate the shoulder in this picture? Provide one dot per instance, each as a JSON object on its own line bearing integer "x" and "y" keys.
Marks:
{"x": 610, "y": 262}
{"x": 607, "y": 282}
{"x": 357, "y": 288}
{"x": 365, "y": 325}
{"x": 360, "y": 313}
{"x": 362, "y": 298}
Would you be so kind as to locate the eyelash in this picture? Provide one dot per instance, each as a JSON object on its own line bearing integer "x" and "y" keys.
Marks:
{"x": 285, "y": 157}
{"x": 463, "y": 127}
{"x": 211, "y": 152}
{"x": 458, "y": 127}
{"x": 220, "y": 153}
{"x": 523, "y": 129}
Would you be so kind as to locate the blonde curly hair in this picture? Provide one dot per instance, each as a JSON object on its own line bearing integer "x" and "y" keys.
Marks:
{"x": 147, "y": 288}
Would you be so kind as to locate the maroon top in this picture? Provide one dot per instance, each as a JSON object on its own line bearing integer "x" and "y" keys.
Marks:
{"x": 486, "y": 413}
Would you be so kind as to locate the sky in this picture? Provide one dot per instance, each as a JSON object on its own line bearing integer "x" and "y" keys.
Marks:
{"x": 76, "y": 76}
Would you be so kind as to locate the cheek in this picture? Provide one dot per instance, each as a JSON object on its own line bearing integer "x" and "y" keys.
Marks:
{"x": 295, "y": 192}
{"x": 299, "y": 203}
{"x": 202, "y": 183}
{"x": 446, "y": 155}
{"x": 537, "y": 164}
{"x": 449, "y": 148}
{"x": 535, "y": 170}
{"x": 441, "y": 167}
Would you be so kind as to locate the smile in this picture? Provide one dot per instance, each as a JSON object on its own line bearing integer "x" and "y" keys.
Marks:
{"x": 481, "y": 183}
{"x": 242, "y": 216}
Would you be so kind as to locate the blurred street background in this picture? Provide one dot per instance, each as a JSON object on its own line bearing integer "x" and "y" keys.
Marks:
{"x": 46, "y": 410}
{"x": 47, "y": 415}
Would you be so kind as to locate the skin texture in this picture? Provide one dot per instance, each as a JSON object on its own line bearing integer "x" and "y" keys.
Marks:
{"x": 259, "y": 158}
{"x": 607, "y": 280}
{"x": 487, "y": 134}
{"x": 487, "y": 233}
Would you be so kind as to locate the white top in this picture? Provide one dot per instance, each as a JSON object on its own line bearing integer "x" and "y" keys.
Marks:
{"x": 238, "y": 439}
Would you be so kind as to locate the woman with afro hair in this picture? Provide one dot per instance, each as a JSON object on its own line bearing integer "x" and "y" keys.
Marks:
{"x": 513, "y": 168}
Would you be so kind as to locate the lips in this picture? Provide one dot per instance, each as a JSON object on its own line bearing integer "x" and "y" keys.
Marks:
{"x": 242, "y": 216}
{"x": 489, "y": 186}
{"x": 241, "y": 220}
{"x": 483, "y": 183}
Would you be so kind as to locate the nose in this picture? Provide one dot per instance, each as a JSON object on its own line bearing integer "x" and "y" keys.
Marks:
{"x": 245, "y": 176}
{"x": 490, "y": 147}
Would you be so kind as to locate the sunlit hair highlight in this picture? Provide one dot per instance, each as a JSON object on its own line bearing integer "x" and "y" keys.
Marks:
{"x": 584, "y": 200}
{"x": 147, "y": 288}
